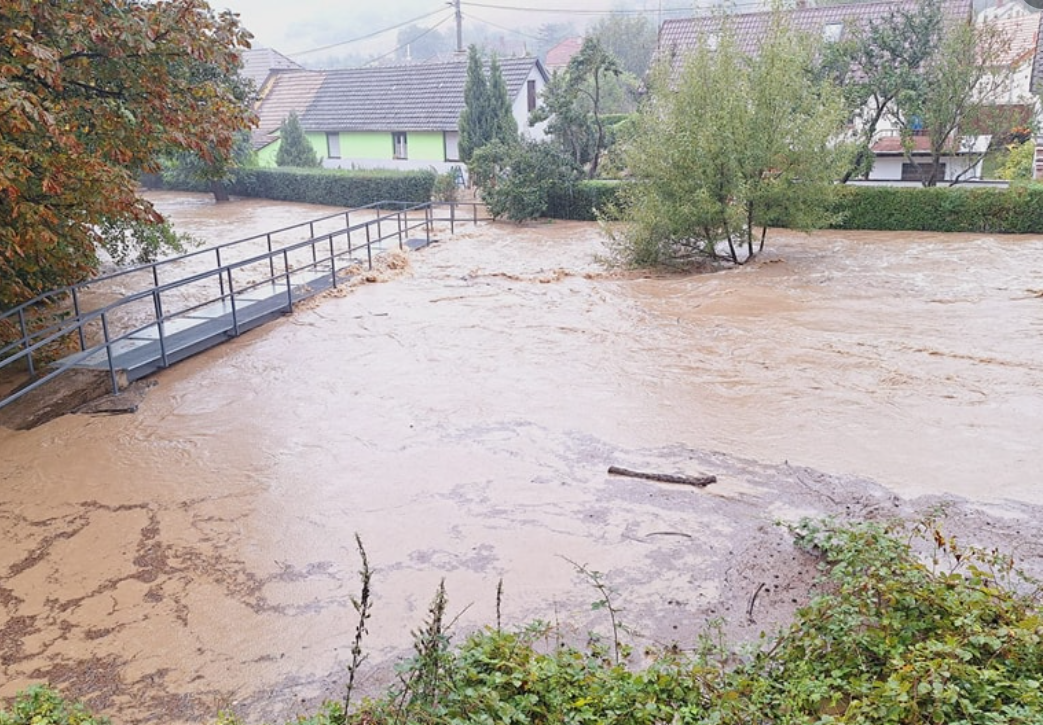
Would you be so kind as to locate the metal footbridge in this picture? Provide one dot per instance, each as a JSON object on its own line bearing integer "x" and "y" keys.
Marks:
{"x": 169, "y": 310}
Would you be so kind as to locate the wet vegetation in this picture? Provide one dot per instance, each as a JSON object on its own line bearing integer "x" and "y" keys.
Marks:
{"x": 906, "y": 625}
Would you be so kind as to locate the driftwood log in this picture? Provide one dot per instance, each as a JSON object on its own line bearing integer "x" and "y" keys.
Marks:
{"x": 698, "y": 481}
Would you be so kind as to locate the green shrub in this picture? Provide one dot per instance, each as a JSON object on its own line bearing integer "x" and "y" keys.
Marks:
{"x": 1018, "y": 210}
{"x": 40, "y": 705}
{"x": 582, "y": 201}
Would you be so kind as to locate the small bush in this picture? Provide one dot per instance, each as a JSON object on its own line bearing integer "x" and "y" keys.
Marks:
{"x": 40, "y": 705}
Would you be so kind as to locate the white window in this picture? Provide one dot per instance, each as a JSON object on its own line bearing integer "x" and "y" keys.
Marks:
{"x": 831, "y": 32}
{"x": 398, "y": 139}
{"x": 333, "y": 145}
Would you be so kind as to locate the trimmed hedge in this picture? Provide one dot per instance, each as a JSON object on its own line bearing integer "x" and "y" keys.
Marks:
{"x": 332, "y": 187}
{"x": 1018, "y": 210}
{"x": 579, "y": 201}
{"x": 335, "y": 187}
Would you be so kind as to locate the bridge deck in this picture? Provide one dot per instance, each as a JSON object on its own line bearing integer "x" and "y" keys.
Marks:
{"x": 152, "y": 326}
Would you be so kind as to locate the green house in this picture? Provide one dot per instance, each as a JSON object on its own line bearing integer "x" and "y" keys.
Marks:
{"x": 401, "y": 116}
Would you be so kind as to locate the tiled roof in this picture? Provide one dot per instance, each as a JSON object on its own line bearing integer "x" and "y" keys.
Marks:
{"x": 259, "y": 62}
{"x": 1020, "y": 34}
{"x": 421, "y": 97}
{"x": 677, "y": 37}
{"x": 1036, "y": 84}
{"x": 288, "y": 91}
{"x": 560, "y": 55}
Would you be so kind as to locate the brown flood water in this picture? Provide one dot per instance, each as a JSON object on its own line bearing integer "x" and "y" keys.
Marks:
{"x": 460, "y": 418}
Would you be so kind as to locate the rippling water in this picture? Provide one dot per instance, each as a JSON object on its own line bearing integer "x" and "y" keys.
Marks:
{"x": 459, "y": 418}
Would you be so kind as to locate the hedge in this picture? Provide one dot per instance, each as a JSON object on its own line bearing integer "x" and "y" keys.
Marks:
{"x": 579, "y": 201}
{"x": 1018, "y": 210}
{"x": 332, "y": 187}
{"x": 335, "y": 187}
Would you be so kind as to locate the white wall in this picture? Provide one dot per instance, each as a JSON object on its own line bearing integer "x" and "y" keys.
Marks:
{"x": 521, "y": 108}
{"x": 889, "y": 168}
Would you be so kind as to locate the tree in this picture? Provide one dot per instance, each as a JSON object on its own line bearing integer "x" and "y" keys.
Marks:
{"x": 92, "y": 93}
{"x": 876, "y": 63}
{"x": 487, "y": 112}
{"x": 294, "y": 147}
{"x": 185, "y": 168}
{"x": 630, "y": 39}
{"x": 516, "y": 179}
{"x": 929, "y": 75}
{"x": 952, "y": 101}
{"x": 574, "y": 103}
{"x": 505, "y": 127}
{"x": 730, "y": 144}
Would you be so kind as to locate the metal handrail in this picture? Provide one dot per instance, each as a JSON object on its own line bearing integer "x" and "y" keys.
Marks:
{"x": 77, "y": 320}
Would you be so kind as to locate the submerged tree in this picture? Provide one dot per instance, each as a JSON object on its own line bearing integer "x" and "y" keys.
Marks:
{"x": 91, "y": 95}
{"x": 731, "y": 145}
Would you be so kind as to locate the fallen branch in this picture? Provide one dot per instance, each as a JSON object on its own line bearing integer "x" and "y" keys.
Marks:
{"x": 699, "y": 481}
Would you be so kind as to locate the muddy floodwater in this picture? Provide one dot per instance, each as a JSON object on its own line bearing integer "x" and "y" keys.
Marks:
{"x": 460, "y": 416}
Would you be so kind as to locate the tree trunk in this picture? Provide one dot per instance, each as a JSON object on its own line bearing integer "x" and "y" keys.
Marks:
{"x": 219, "y": 190}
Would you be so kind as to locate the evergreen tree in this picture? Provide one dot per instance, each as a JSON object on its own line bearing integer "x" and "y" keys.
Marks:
{"x": 294, "y": 148}
{"x": 474, "y": 121}
{"x": 504, "y": 127}
{"x": 487, "y": 112}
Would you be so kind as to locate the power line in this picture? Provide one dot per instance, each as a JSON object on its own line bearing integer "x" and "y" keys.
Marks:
{"x": 412, "y": 40}
{"x": 369, "y": 35}
{"x": 571, "y": 11}
{"x": 472, "y": 16}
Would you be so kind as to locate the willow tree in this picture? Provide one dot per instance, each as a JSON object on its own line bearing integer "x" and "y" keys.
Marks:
{"x": 92, "y": 93}
{"x": 729, "y": 145}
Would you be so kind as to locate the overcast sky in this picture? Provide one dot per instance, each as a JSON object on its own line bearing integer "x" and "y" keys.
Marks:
{"x": 300, "y": 25}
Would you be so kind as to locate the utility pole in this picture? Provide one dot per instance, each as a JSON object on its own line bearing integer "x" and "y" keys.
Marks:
{"x": 459, "y": 27}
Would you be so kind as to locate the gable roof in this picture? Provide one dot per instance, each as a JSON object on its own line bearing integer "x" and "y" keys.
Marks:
{"x": 1020, "y": 33}
{"x": 287, "y": 91}
{"x": 420, "y": 97}
{"x": 560, "y": 55}
{"x": 258, "y": 63}
{"x": 680, "y": 36}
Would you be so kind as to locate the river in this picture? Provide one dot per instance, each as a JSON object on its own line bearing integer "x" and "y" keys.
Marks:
{"x": 460, "y": 417}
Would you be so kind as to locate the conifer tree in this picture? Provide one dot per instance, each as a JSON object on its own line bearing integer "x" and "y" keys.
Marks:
{"x": 294, "y": 148}
{"x": 504, "y": 127}
{"x": 487, "y": 112}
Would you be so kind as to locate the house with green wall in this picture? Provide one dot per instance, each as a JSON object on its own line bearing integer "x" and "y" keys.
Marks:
{"x": 399, "y": 117}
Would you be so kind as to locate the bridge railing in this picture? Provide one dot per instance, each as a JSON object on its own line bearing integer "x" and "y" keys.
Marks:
{"x": 287, "y": 268}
